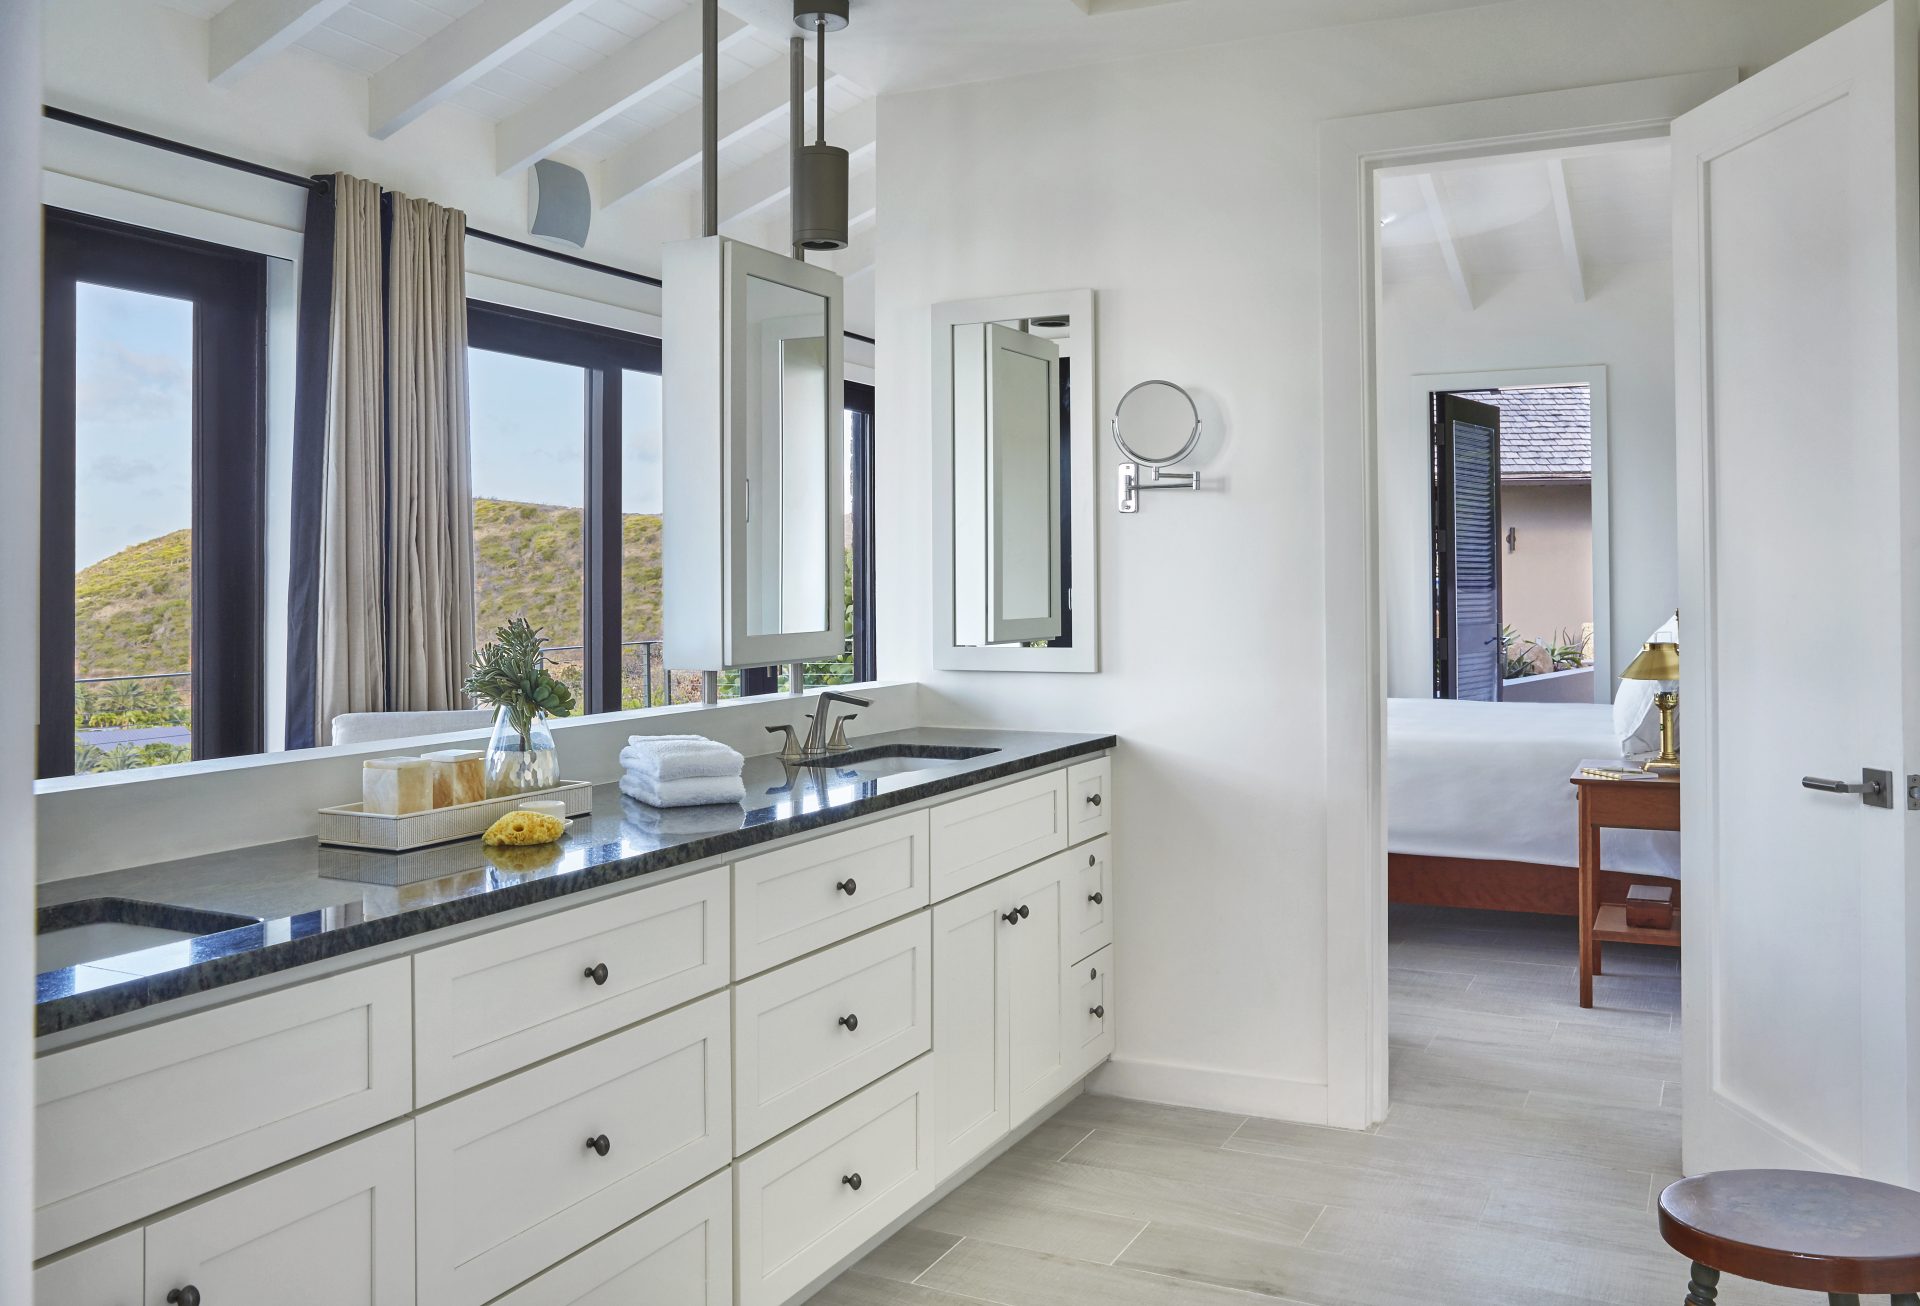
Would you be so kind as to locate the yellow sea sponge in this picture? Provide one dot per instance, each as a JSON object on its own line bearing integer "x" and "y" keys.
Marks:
{"x": 519, "y": 829}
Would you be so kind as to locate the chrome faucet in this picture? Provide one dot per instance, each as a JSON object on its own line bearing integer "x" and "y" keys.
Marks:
{"x": 818, "y": 744}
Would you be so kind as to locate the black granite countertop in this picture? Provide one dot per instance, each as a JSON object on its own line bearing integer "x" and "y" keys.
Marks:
{"x": 314, "y": 902}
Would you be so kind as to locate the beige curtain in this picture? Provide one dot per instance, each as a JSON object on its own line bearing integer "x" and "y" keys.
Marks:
{"x": 430, "y": 557}
{"x": 350, "y": 660}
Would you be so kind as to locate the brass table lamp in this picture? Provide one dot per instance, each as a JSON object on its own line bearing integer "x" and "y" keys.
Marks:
{"x": 1660, "y": 662}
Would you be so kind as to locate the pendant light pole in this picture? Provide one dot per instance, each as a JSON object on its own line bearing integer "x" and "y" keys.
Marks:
{"x": 820, "y": 169}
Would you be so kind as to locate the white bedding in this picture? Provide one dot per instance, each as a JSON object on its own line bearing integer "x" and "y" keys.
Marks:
{"x": 1489, "y": 780}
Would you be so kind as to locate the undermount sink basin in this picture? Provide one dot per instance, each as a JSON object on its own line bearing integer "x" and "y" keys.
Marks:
{"x": 78, "y": 933}
{"x": 896, "y": 759}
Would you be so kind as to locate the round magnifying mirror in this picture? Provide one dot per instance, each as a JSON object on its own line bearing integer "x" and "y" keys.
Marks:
{"x": 1156, "y": 423}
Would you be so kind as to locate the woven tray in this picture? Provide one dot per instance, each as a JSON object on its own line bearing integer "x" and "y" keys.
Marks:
{"x": 350, "y": 827}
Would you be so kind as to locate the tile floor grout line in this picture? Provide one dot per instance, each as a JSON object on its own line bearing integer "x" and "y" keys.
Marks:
{"x": 915, "y": 1280}
{"x": 1076, "y": 1142}
{"x": 1144, "y": 1226}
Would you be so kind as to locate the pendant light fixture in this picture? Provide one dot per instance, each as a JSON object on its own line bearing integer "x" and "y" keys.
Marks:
{"x": 820, "y": 169}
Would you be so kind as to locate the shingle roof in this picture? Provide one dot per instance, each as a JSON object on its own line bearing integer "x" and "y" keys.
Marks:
{"x": 1546, "y": 432}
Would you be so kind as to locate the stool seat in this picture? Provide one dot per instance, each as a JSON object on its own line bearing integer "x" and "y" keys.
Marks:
{"x": 1798, "y": 1229}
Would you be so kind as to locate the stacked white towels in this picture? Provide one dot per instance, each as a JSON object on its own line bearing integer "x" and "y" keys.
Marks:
{"x": 680, "y": 771}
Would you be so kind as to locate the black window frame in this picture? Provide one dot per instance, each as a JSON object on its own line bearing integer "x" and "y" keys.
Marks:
{"x": 859, "y": 401}
{"x": 227, "y": 646}
{"x": 604, "y": 353}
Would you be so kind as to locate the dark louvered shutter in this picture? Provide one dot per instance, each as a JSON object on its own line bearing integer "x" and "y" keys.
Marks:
{"x": 1466, "y": 538}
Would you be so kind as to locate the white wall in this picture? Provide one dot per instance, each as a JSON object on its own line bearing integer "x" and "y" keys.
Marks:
{"x": 1531, "y": 321}
{"x": 19, "y": 597}
{"x": 1183, "y": 189}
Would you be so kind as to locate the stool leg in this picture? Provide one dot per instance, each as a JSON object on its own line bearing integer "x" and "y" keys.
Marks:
{"x": 1842, "y": 1299}
{"x": 1701, "y": 1289}
{"x": 1906, "y": 1299}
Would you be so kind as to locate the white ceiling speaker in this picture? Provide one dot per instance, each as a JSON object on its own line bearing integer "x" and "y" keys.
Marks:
{"x": 820, "y": 169}
{"x": 559, "y": 203}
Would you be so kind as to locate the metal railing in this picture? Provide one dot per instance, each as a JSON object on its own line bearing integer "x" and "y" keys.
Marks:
{"x": 688, "y": 682}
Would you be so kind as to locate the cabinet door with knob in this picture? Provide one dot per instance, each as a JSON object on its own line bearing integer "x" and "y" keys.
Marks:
{"x": 970, "y": 1022}
{"x": 529, "y": 1170}
{"x": 106, "y": 1274}
{"x": 490, "y": 1004}
{"x": 334, "y": 1230}
{"x": 815, "y": 1030}
{"x": 1087, "y": 926}
{"x": 1038, "y": 1067}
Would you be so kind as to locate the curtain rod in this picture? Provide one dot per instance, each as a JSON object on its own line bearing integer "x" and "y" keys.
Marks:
{"x": 105, "y": 128}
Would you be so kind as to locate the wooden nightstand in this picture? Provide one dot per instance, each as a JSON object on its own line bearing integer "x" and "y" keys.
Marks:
{"x": 1622, "y": 803}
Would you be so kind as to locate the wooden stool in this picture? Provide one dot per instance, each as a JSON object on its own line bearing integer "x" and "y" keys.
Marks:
{"x": 1798, "y": 1229}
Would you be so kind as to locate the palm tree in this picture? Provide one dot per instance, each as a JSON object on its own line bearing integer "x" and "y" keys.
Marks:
{"x": 88, "y": 757}
{"x": 121, "y": 757}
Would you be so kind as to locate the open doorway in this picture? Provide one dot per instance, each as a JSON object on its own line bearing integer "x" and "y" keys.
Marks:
{"x": 1523, "y": 311}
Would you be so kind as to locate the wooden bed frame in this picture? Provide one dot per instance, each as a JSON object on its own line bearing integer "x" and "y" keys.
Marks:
{"x": 1501, "y": 886}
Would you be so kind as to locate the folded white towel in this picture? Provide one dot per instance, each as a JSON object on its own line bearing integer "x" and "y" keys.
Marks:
{"x": 694, "y": 791}
{"x": 679, "y": 758}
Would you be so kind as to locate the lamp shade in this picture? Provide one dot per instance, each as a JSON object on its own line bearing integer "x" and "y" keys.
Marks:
{"x": 1655, "y": 662}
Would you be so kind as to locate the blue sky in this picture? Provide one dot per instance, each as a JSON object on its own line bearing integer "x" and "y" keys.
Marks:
{"x": 134, "y": 429}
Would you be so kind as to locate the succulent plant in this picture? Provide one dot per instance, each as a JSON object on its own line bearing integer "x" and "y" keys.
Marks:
{"x": 510, "y": 673}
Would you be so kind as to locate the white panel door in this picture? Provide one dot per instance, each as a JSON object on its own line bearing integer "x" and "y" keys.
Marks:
{"x": 334, "y": 1230}
{"x": 1796, "y": 251}
{"x": 1039, "y": 1064}
{"x": 106, "y": 1274}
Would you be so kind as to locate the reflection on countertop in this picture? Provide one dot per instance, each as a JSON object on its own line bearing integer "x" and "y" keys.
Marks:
{"x": 312, "y": 903}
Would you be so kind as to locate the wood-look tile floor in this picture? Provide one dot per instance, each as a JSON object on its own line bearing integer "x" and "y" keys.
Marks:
{"x": 1526, "y": 1142}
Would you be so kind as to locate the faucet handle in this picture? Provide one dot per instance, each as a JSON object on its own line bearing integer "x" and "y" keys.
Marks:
{"x": 838, "y": 744}
{"x": 789, "y": 751}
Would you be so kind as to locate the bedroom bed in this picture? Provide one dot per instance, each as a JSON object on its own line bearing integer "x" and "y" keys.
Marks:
{"x": 1480, "y": 812}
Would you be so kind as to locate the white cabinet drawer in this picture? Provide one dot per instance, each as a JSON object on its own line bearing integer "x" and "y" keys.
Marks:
{"x": 509, "y": 1183}
{"x": 488, "y": 1005}
{"x": 106, "y": 1274}
{"x": 1088, "y": 1017}
{"x": 1089, "y": 799}
{"x": 1087, "y": 919}
{"x": 808, "y": 1034}
{"x": 680, "y": 1254}
{"x": 970, "y": 937}
{"x": 157, "y": 1115}
{"x": 986, "y": 835}
{"x": 334, "y": 1230}
{"x": 798, "y": 1211}
{"x": 790, "y": 902}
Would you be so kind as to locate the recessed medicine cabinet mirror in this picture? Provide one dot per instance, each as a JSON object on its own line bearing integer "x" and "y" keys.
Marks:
{"x": 1014, "y": 558}
{"x": 751, "y": 395}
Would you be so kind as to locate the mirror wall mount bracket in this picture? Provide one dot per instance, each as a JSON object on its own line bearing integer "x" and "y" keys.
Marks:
{"x": 1131, "y": 486}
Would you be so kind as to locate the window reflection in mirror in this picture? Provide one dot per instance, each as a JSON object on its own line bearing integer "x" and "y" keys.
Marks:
{"x": 788, "y": 459}
{"x": 1010, "y": 420}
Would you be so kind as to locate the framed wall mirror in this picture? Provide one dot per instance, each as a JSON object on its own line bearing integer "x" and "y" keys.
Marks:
{"x": 1015, "y": 563}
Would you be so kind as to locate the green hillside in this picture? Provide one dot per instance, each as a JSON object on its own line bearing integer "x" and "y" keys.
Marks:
{"x": 131, "y": 609}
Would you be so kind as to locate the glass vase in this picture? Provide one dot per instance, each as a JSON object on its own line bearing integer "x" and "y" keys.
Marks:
{"x": 520, "y": 755}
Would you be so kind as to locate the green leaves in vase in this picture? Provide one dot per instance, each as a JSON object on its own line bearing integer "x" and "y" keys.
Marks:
{"x": 511, "y": 674}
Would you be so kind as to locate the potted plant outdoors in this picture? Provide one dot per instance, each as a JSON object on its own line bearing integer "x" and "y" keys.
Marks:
{"x": 510, "y": 674}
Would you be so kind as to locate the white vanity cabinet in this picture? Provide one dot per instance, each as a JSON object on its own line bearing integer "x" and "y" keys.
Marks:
{"x": 752, "y": 418}
{"x": 706, "y": 1090}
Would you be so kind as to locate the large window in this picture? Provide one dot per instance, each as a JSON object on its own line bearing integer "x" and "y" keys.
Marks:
{"x": 152, "y": 462}
{"x": 566, "y": 487}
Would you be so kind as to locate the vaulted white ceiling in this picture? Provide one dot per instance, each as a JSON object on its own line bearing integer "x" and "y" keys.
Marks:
{"x": 1572, "y": 212}
{"x": 612, "y": 85}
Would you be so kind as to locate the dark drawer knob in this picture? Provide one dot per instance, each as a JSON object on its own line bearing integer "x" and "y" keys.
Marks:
{"x": 1096, "y": 897}
{"x": 1017, "y": 915}
{"x": 1093, "y": 972}
{"x": 1094, "y": 799}
{"x": 848, "y": 886}
{"x": 598, "y": 974}
{"x": 187, "y": 1296}
{"x": 851, "y": 1021}
{"x": 851, "y": 1180}
{"x": 599, "y": 1143}
{"x": 1092, "y": 860}
{"x": 1099, "y": 1012}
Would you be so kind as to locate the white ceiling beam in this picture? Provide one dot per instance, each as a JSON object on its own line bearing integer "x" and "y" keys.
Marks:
{"x": 1443, "y": 236}
{"x": 247, "y": 32}
{"x": 764, "y": 182}
{"x": 856, "y": 258}
{"x": 752, "y": 102}
{"x": 617, "y": 83}
{"x": 1563, "y": 217}
{"x": 455, "y": 56}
